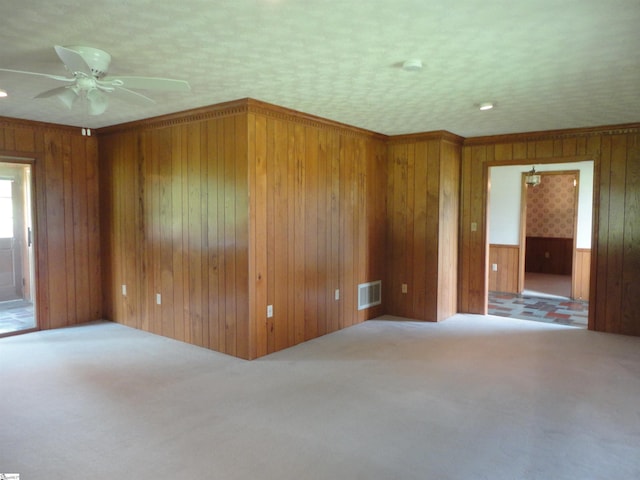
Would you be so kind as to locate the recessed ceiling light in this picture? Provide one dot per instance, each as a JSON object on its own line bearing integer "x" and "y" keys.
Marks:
{"x": 412, "y": 65}
{"x": 486, "y": 106}
{"x": 3, "y": 93}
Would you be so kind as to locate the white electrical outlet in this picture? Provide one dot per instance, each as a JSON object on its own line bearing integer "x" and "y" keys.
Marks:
{"x": 336, "y": 294}
{"x": 494, "y": 267}
{"x": 158, "y": 299}
{"x": 124, "y": 290}
{"x": 269, "y": 311}
{"x": 404, "y": 288}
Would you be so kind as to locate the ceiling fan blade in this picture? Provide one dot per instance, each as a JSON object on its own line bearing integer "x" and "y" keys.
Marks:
{"x": 73, "y": 60}
{"x": 65, "y": 94}
{"x": 54, "y": 77}
{"x": 131, "y": 96}
{"x": 98, "y": 102}
{"x": 147, "y": 83}
{"x": 52, "y": 92}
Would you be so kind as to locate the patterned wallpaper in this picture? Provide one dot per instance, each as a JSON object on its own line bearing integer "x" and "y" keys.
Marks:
{"x": 551, "y": 207}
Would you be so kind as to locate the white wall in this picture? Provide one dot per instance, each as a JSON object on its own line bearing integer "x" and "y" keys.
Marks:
{"x": 504, "y": 201}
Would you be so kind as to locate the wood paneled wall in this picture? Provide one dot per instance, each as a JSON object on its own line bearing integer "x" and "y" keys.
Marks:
{"x": 549, "y": 255}
{"x": 581, "y": 273}
{"x": 228, "y": 209}
{"x": 175, "y": 204}
{"x": 317, "y": 224}
{"x": 614, "y": 302}
{"x": 422, "y": 225}
{"x": 67, "y": 230}
{"x": 507, "y": 259}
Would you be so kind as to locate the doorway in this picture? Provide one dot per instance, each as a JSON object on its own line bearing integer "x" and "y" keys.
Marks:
{"x": 560, "y": 293}
{"x": 548, "y": 226}
{"x": 17, "y": 256}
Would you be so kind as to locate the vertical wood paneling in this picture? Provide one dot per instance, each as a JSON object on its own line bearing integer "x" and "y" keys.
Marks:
{"x": 312, "y": 296}
{"x": 581, "y": 273}
{"x": 280, "y": 234}
{"x": 398, "y": 157}
{"x": 68, "y": 231}
{"x": 214, "y": 254}
{"x": 406, "y": 264}
{"x": 258, "y": 231}
{"x": 80, "y": 241}
{"x": 423, "y": 205}
{"x": 348, "y": 216}
{"x": 335, "y": 241}
{"x": 420, "y": 287}
{"x": 324, "y": 290}
{"x": 177, "y": 228}
{"x": 316, "y": 226}
{"x": 221, "y": 260}
{"x": 299, "y": 197}
{"x": 615, "y": 233}
{"x": 629, "y": 319}
{"x": 94, "y": 283}
{"x": 55, "y": 238}
{"x": 478, "y": 239}
{"x": 507, "y": 258}
{"x": 165, "y": 278}
{"x": 244, "y": 211}
{"x": 194, "y": 235}
{"x": 189, "y": 186}
{"x": 174, "y": 212}
{"x": 241, "y": 215}
{"x": 449, "y": 200}
{"x": 431, "y": 241}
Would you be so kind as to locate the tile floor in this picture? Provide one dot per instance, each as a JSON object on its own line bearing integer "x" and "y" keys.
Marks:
{"x": 541, "y": 309}
{"x": 16, "y": 315}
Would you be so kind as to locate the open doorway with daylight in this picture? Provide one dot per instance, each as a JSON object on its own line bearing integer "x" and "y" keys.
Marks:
{"x": 540, "y": 230}
{"x": 17, "y": 256}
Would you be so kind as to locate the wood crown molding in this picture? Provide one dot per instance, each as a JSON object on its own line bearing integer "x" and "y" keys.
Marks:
{"x": 554, "y": 134}
{"x": 267, "y": 109}
{"x": 239, "y": 107}
{"x": 441, "y": 135}
{"x": 8, "y": 122}
{"x": 235, "y": 107}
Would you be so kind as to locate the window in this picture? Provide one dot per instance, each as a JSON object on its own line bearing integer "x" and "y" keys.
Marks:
{"x": 6, "y": 209}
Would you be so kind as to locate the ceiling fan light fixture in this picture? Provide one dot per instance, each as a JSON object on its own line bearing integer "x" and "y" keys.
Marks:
{"x": 98, "y": 102}
{"x": 68, "y": 97}
{"x": 486, "y": 106}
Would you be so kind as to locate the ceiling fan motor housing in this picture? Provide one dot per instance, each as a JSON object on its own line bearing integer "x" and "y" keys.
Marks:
{"x": 97, "y": 60}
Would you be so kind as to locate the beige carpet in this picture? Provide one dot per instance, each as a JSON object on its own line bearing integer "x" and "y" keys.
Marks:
{"x": 470, "y": 398}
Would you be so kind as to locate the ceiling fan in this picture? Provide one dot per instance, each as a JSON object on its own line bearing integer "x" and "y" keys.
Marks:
{"x": 91, "y": 83}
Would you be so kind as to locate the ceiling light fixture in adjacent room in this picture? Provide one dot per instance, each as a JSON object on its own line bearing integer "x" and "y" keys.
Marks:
{"x": 532, "y": 179}
{"x": 486, "y": 106}
{"x": 3, "y": 93}
{"x": 412, "y": 65}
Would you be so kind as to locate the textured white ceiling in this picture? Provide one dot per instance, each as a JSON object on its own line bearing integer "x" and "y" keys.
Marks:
{"x": 548, "y": 64}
